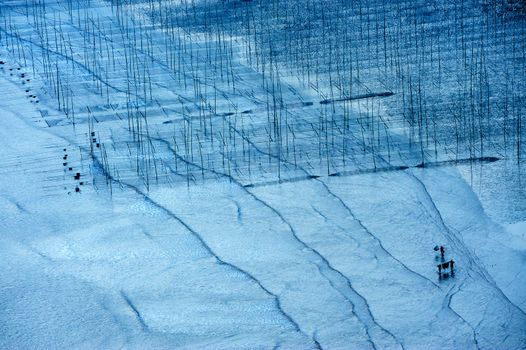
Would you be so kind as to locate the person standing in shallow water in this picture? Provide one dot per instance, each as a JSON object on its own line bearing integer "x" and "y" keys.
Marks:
{"x": 442, "y": 251}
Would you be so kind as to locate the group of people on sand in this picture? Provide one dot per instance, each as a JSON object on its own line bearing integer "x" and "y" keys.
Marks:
{"x": 444, "y": 265}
